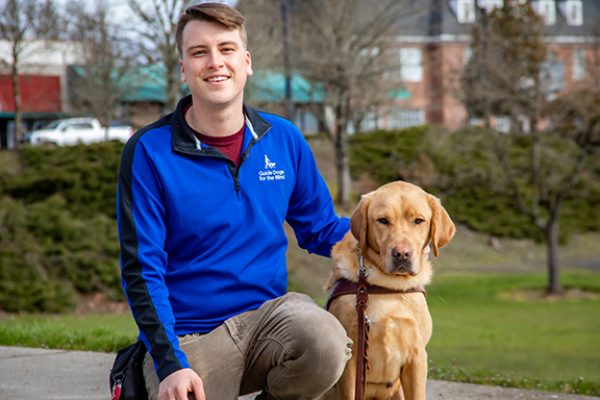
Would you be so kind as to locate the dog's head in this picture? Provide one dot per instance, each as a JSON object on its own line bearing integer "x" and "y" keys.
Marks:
{"x": 394, "y": 225}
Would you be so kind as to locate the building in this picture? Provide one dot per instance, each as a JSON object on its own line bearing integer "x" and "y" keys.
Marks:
{"x": 42, "y": 83}
{"x": 267, "y": 90}
{"x": 142, "y": 92}
{"x": 434, "y": 46}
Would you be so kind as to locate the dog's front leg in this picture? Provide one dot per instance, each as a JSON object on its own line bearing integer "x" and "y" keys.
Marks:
{"x": 414, "y": 377}
{"x": 399, "y": 395}
{"x": 346, "y": 384}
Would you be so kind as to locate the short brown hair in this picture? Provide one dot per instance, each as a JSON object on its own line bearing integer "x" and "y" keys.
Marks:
{"x": 219, "y": 13}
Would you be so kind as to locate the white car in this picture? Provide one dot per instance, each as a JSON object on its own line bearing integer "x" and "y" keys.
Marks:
{"x": 72, "y": 131}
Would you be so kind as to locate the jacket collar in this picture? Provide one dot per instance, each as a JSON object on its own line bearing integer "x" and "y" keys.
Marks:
{"x": 184, "y": 139}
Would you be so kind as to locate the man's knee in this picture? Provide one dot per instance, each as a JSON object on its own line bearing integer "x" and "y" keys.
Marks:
{"x": 321, "y": 343}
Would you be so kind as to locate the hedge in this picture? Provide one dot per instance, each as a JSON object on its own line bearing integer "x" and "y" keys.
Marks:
{"x": 58, "y": 235}
{"x": 462, "y": 170}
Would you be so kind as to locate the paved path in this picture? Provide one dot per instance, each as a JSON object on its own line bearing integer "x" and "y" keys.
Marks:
{"x": 63, "y": 375}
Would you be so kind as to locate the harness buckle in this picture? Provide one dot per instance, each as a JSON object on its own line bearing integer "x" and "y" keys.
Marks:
{"x": 362, "y": 270}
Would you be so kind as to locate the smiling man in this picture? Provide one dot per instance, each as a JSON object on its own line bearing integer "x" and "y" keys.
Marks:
{"x": 203, "y": 196}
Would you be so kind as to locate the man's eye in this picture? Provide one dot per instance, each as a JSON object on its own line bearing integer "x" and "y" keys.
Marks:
{"x": 228, "y": 50}
{"x": 383, "y": 221}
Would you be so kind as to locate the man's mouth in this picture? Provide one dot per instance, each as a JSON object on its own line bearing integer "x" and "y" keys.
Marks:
{"x": 217, "y": 78}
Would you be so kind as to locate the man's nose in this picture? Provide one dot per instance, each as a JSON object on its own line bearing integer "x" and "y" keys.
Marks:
{"x": 215, "y": 59}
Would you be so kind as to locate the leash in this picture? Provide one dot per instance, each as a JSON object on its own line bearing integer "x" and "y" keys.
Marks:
{"x": 362, "y": 289}
{"x": 364, "y": 324}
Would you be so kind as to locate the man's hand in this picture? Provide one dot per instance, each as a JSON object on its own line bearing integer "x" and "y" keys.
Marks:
{"x": 177, "y": 386}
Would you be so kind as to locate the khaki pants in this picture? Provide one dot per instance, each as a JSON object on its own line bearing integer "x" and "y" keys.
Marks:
{"x": 289, "y": 348}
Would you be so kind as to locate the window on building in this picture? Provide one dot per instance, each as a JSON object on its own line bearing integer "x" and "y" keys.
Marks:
{"x": 404, "y": 118}
{"x": 465, "y": 11}
{"x": 467, "y": 55}
{"x": 553, "y": 75}
{"x": 370, "y": 122}
{"x": 306, "y": 121}
{"x": 502, "y": 124}
{"x": 546, "y": 9}
{"x": 579, "y": 64}
{"x": 411, "y": 65}
{"x": 572, "y": 11}
{"x": 489, "y": 5}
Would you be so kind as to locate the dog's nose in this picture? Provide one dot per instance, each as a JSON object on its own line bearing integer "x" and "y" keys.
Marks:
{"x": 401, "y": 253}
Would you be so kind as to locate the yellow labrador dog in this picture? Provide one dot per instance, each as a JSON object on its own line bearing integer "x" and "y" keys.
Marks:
{"x": 392, "y": 227}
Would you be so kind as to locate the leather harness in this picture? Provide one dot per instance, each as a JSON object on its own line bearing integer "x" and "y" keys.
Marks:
{"x": 362, "y": 289}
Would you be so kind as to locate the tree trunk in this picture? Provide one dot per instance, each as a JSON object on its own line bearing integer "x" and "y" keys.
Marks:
{"x": 16, "y": 97}
{"x": 342, "y": 163}
{"x": 173, "y": 83}
{"x": 551, "y": 232}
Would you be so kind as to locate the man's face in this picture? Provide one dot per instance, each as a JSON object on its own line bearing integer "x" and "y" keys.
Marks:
{"x": 215, "y": 64}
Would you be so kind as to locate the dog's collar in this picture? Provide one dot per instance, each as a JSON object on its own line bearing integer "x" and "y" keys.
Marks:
{"x": 344, "y": 287}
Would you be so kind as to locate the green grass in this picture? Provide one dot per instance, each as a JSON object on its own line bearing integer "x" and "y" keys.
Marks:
{"x": 484, "y": 332}
{"x": 94, "y": 332}
{"x": 481, "y": 335}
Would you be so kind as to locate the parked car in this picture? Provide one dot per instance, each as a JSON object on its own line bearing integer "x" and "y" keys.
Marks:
{"x": 71, "y": 131}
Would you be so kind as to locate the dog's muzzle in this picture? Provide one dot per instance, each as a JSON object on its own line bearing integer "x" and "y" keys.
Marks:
{"x": 402, "y": 267}
{"x": 401, "y": 263}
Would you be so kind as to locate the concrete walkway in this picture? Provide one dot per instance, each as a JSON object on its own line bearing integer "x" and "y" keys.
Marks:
{"x": 62, "y": 375}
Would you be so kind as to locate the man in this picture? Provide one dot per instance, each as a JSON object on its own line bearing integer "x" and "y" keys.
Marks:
{"x": 203, "y": 195}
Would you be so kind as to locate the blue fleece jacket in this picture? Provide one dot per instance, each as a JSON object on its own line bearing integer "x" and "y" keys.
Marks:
{"x": 203, "y": 240}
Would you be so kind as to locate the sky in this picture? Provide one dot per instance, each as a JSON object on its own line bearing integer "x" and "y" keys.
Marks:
{"x": 120, "y": 9}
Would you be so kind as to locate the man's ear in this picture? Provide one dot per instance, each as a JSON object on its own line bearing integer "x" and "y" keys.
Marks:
{"x": 441, "y": 229}
{"x": 359, "y": 224}
{"x": 249, "y": 70}
{"x": 182, "y": 71}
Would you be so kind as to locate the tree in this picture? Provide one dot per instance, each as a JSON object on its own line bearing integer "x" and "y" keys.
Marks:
{"x": 159, "y": 18}
{"x": 504, "y": 74}
{"x": 48, "y": 23}
{"x": 540, "y": 169}
{"x": 21, "y": 22}
{"x": 265, "y": 39}
{"x": 345, "y": 49}
{"x": 16, "y": 27}
{"x": 100, "y": 83}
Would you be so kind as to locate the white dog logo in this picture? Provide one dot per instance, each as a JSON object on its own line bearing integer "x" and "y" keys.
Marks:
{"x": 268, "y": 163}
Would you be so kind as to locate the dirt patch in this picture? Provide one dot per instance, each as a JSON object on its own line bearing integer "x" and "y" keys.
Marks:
{"x": 530, "y": 295}
{"x": 98, "y": 303}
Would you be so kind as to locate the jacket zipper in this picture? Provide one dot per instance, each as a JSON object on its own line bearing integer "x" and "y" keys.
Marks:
{"x": 233, "y": 169}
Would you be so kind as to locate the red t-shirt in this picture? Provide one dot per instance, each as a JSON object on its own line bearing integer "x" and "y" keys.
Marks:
{"x": 230, "y": 146}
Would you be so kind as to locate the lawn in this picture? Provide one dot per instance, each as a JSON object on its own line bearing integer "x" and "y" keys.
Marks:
{"x": 95, "y": 332}
{"x": 484, "y": 331}
{"x": 487, "y": 330}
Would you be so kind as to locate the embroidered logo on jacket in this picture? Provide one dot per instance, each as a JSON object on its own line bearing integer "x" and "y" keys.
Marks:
{"x": 271, "y": 173}
{"x": 268, "y": 163}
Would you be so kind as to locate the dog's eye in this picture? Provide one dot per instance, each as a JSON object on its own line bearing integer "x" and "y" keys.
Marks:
{"x": 419, "y": 221}
{"x": 383, "y": 221}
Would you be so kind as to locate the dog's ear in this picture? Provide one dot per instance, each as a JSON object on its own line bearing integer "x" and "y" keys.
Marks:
{"x": 359, "y": 224}
{"x": 441, "y": 229}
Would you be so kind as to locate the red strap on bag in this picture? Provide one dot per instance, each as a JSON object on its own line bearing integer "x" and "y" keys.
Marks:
{"x": 116, "y": 395}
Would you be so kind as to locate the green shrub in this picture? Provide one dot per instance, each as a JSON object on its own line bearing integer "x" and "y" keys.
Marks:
{"x": 464, "y": 170}
{"x": 385, "y": 154}
{"x": 58, "y": 235}
{"x": 86, "y": 176}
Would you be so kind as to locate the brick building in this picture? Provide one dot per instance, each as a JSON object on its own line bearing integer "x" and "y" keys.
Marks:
{"x": 42, "y": 84}
{"x": 435, "y": 46}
